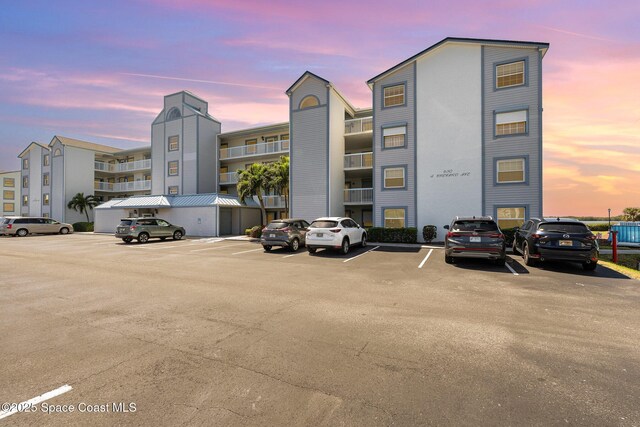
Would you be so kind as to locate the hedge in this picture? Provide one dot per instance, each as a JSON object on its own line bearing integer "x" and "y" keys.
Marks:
{"x": 254, "y": 232}
{"x": 392, "y": 235}
{"x": 598, "y": 227}
{"x": 83, "y": 226}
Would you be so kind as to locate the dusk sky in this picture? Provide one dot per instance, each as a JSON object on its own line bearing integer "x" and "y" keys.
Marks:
{"x": 98, "y": 71}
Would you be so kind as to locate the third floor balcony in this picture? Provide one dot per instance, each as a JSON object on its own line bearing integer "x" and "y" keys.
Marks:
{"x": 122, "y": 186}
{"x": 358, "y": 161}
{"x": 353, "y": 126}
{"x": 137, "y": 165}
{"x": 254, "y": 150}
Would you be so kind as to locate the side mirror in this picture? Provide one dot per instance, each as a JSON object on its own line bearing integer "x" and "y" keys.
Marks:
{"x": 446, "y": 227}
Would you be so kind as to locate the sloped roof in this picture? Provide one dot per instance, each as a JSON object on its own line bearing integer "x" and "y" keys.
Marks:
{"x": 84, "y": 144}
{"x": 31, "y": 145}
{"x": 143, "y": 202}
{"x": 308, "y": 74}
{"x": 108, "y": 204}
{"x": 178, "y": 201}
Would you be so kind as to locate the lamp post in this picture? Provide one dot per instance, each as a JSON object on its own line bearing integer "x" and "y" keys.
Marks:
{"x": 609, "y": 219}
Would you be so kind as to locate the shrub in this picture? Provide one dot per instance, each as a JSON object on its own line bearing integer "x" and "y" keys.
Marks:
{"x": 254, "y": 232}
{"x": 83, "y": 226}
{"x": 509, "y": 235}
{"x": 598, "y": 227}
{"x": 392, "y": 235}
{"x": 429, "y": 233}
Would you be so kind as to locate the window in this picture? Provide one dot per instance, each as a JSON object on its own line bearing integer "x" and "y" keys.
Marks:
{"x": 173, "y": 114}
{"x": 394, "y": 178}
{"x": 45, "y": 160}
{"x": 394, "y": 137}
{"x": 250, "y": 146}
{"x": 510, "y": 217}
{"x": 174, "y": 143}
{"x": 57, "y": 152}
{"x": 25, "y": 182}
{"x": 45, "y": 179}
{"x": 173, "y": 168}
{"x": 308, "y": 102}
{"x": 162, "y": 223}
{"x": 8, "y": 207}
{"x": 285, "y": 141}
{"x": 511, "y": 74}
{"x": 173, "y": 189}
{"x": 393, "y": 95}
{"x": 511, "y": 123}
{"x": 9, "y": 182}
{"x": 25, "y": 200}
{"x": 9, "y": 194}
{"x": 25, "y": 163}
{"x": 510, "y": 170}
{"x": 394, "y": 217}
{"x": 45, "y": 199}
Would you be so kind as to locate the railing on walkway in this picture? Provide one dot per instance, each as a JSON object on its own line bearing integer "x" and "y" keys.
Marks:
{"x": 364, "y": 124}
{"x": 275, "y": 147}
{"x": 358, "y": 161}
{"x": 123, "y": 167}
{"x": 123, "y": 186}
{"x": 358, "y": 196}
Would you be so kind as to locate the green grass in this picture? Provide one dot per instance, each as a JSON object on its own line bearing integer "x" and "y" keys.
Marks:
{"x": 627, "y": 264}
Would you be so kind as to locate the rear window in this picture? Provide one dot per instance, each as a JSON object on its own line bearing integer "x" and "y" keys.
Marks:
{"x": 475, "y": 226}
{"x": 323, "y": 224}
{"x": 563, "y": 227}
{"x": 276, "y": 225}
{"x": 6, "y": 220}
{"x": 126, "y": 222}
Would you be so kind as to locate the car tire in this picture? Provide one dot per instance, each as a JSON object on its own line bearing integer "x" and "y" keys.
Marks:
{"x": 64, "y": 230}
{"x": 344, "y": 247}
{"x": 295, "y": 245}
{"x": 127, "y": 239}
{"x": 527, "y": 259}
{"x": 448, "y": 259}
{"x": 363, "y": 243}
{"x": 589, "y": 266}
{"x": 267, "y": 248}
{"x": 177, "y": 235}
{"x": 311, "y": 250}
{"x": 515, "y": 248}
{"x": 22, "y": 232}
{"x": 143, "y": 238}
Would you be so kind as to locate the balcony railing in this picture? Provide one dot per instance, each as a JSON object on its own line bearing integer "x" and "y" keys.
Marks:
{"x": 275, "y": 147}
{"x": 358, "y": 196}
{"x": 273, "y": 201}
{"x": 229, "y": 178}
{"x": 123, "y": 186}
{"x": 358, "y": 161}
{"x": 123, "y": 167}
{"x": 364, "y": 124}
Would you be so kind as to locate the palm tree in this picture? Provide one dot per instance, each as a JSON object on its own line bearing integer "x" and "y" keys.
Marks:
{"x": 631, "y": 214}
{"x": 278, "y": 177}
{"x": 254, "y": 181}
{"x": 82, "y": 203}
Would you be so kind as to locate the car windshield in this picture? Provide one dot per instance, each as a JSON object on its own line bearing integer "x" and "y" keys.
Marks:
{"x": 323, "y": 224}
{"x": 563, "y": 227}
{"x": 126, "y": 222}
{"x": 276, "y": 225}
{"x": 474, "y": 226}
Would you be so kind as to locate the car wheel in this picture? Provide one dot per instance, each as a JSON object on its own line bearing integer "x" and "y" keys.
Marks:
{"x": 311, "y": 250}
{"x": 344, "y": 248}
{"x": 267, "y": 248}
{"x": 127, "y": 239}
{"x": 64, "y": 230}
{"x": 527, "y": 258}
{"x": 364, "y": 240}
{"x": 515, "y": 248}
{"x": 589, "y": 266}
{"x": 22, "y": 232}
{"x": 143, "y": 238}
{"x": 448, "y": 259}
{"x": 177, "y": 235}
{"x": 295, "y": 245}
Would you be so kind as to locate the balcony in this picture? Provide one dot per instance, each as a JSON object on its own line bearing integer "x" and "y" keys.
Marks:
{"x": 358, "y": 196}
{"x": 364, "y": 124}
{"x": 123, "y": 167}
{"x": 271, "y": 202}
{"x": 228, "y": 178}
{"x": 122, "y": 186}
{"x": 358, "y": 161}
{"x": 262, "y": 149}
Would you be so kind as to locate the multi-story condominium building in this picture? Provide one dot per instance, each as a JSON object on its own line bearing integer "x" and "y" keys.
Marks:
{"x": 10, "y": 193}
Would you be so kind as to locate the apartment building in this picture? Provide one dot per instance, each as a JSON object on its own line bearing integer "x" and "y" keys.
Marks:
{"x": 10, "y": 193}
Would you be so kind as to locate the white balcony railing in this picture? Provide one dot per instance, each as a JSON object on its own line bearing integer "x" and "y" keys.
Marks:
{"x": 123, "y": 186}
{"x": 364, "y": 124}
{"x": 358, "y": 196}
{"x": 123, "y": 167}
{"x": 275, "y": 147}
{"x": 358, "y": 161}
{"x": 229, "y": 178}
{"x": 273, "y": 201}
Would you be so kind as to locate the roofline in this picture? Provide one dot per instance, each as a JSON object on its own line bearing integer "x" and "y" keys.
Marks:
{"x": 3, "y": 172}
{"x": 29, "y": 146}
{"x": 253, "y": 129}
{"x": 188, "y": 92}
{"x": 84, "y": 148}
{"x": 302, "y": 77}
{"x": 351, "y": 108}
{"x": 540, "y": 45}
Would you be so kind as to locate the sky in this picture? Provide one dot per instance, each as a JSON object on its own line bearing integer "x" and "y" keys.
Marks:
{"x": 98, "y": 71}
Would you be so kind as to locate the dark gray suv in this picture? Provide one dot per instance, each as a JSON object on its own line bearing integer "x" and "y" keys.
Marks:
{"x": 144, "y": 229}
{"x": 474, "y": 237}
{"x": 288, "y": 233}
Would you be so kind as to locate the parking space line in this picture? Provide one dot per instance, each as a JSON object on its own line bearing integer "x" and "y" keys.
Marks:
{"x": 244, "y": 252}
{"x": 364, "y": 253}
{"x": 511, "y": 269}
{"x": 431, "y": 247}
{"x": 300, "y": 253}
{"x": 425, "y": 258}
{"x": 211, "y": 248}
{"x": 28, "y": 404}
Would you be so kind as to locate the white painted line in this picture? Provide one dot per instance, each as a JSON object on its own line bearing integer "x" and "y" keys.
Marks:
{"x": 432, "y": 247}
{"x": 28, "y": 404}
{"x": 425, "y": 258}
{"x": 364, "y": 253}
{"x": 252, "y": 250}
{"x": 216, "y": 247}
{"x": 511, "y": 269}
{"x": 299, "y": 253}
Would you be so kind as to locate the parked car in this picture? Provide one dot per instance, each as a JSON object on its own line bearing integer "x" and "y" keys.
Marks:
{"x": 474, "y": 237}
{"x": 335, "y": 233}
{"x": 22, "y": 226}
{"x": 556, "y": 239}
{"x": 144, "y": 229}
{"x": 288, "y": 233}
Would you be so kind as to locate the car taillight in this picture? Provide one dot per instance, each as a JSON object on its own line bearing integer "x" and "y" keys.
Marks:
{"x": 591, "y": 237}
{"x": 9, "y": 226}
{"x": 535, "y": 236}
{"x": 335, "y": 230}
{"x": 496, "y": 236}
{"x": 132, "y": 228}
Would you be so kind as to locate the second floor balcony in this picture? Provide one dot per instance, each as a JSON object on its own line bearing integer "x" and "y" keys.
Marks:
{"x": 228, "y": 178}
{"x": 273, "y": 202}
{"x": 364, "y": 124}
{"x": 251, "y": 150}
{"x": 123, "y": 167}
{"x": 358, "y": 161}
{"x": 358, "y": 196}
{"x": 122, "y": 186}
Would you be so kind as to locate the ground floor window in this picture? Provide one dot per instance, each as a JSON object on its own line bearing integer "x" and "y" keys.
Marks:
{"x": 45, "y": 199}
{"x": 8, "y": 207}
{"x": 394, "y": 217}
{"x": 510, "y": 217}
{"x": 173, "y": 189}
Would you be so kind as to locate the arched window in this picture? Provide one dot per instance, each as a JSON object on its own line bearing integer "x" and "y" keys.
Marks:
{"x": 173, "y": 114}
{"x": 309, "y": 101}
{"x": 57, "y": 152}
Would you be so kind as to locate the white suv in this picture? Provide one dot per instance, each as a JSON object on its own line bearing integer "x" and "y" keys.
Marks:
{"x": 335, "y": 233}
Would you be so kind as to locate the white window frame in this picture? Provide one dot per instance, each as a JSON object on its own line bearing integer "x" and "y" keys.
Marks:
{"x": 404, "y": 177}
{"x": 173, "y": 139}
{"x": 385, "y": 97}
{"x": 499, "y": 66}
{"x": 170, "y": 167}
{"x": 403, "y": 218}
{"x": 522, "y": 161}
{"x": 392, "y": 132}
{"x": 171, "y": 188}
{"x": 511, "y": 119}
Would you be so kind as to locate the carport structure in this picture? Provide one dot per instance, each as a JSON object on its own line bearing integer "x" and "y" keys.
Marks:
{"x": 200, "y": 214}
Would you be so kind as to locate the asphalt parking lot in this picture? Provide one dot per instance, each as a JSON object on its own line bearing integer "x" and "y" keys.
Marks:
{"x": 212, "y": 332}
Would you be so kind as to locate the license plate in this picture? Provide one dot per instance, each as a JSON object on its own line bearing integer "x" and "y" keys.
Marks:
{"x": 566, "y": 242}
{"x": 475, "y": 239}
{"x": 319, "y": 234}
{"x": 272, "y": 235}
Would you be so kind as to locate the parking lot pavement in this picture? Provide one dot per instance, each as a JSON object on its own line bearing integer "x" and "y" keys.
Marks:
{"x": 204, "y": 331}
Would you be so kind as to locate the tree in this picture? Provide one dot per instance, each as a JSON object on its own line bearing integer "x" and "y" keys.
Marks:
{"x": 631, "y": 214}
{"x": 254, "y": 181}
{"x": 278, "y": 173}
{"x": 82, "y": 203}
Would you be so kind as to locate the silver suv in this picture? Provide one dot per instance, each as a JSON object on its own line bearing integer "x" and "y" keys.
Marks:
{"x": 22, "y": 226}
{"x": 143, "y": 229}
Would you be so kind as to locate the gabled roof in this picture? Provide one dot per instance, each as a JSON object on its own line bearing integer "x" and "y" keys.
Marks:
{"x": 30, "y": 146}
{"x": 540, "y": 45}
{"x": 308, "y": 74}
{"x": 84, "y": 144}
{"x": 199, "y": 113}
